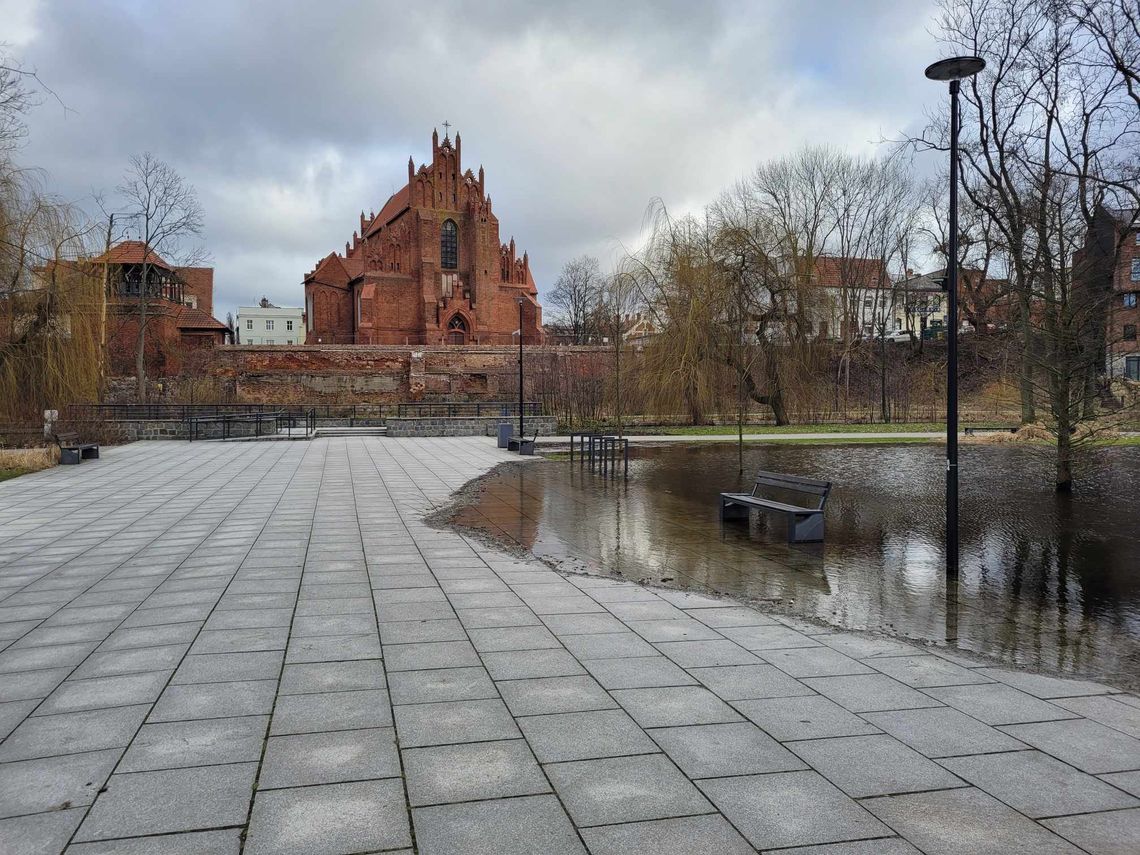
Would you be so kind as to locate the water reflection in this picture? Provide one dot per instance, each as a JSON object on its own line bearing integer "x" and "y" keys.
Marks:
{"x": 1047, "y": 582}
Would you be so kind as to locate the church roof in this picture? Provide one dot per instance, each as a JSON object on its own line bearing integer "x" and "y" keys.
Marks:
{"x": 397, "y": 203}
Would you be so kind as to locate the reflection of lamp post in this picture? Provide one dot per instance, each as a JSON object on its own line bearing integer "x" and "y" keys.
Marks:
{"x": 953, "y": 70}
{"x": 522, "y": 431}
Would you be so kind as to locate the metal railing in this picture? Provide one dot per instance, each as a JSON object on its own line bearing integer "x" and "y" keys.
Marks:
{"x": 228, "y": 420}
{"x": 603, "y": 452}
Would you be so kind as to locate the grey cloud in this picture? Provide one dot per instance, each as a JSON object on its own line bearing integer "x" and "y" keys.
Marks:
{"x": 292, "y": 116}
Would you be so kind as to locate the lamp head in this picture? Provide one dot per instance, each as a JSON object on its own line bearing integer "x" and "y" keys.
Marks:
{"x": 955, "y": 68}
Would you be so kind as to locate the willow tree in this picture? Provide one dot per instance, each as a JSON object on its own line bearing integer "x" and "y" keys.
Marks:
{"x": 49, "y": 302}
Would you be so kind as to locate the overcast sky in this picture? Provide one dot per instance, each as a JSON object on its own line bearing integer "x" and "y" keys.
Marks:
{"x": 291, "y": 116}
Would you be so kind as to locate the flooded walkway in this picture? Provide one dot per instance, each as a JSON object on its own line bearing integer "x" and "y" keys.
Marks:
{"x": 262, "y": 648}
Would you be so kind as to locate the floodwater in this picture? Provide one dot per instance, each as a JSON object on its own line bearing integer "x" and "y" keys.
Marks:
{"x": 1047, "y": 582}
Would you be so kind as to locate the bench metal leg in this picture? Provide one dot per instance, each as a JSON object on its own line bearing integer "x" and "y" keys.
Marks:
{"x": 732, "y": 511}
{"x": 90, "y": 453}
{"x": 807, "y": 529}
{"x": 69, "y": 456}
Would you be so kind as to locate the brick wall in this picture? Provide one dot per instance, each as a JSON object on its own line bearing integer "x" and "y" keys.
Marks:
{"x": 378, "y": 373}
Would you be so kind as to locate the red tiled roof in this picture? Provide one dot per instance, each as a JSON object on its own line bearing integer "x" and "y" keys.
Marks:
{"x": 196, "y": 319}
{"x": 834, "y": 271}
{"x": 395, "y": 205}
{"x": 130, "y": 252}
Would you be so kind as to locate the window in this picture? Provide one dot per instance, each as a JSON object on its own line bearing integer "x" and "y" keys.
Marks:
{"x": 449, "y": 245}
{"x": 1132, "y": 367}
{"x": 249, "y": 324}
{"x": 1138, "y": 238}
{"x": 289, "y": 341}
{"x": 269, "y": 325}
{"x": 1130, "y": 301}
{"x": 289, "y": 326}
{"x": 269, "y": 341}
{"x": 1136, "y": 270}
{"x": 1129, "y": 332}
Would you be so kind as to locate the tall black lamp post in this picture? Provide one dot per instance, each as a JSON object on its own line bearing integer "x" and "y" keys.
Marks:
{"x": 953, "y": 70}
{"x": 522, "y": 431}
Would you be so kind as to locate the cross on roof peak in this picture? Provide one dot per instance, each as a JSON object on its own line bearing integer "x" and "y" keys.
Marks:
{"x": 446, "y": 127}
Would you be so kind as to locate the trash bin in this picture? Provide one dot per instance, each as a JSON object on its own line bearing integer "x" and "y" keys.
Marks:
{"x": 506, "y": 431}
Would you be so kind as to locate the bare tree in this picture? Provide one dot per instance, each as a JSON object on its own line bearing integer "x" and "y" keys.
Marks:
{"x": 576, "y": 295}
{"x": 167, "y": 212}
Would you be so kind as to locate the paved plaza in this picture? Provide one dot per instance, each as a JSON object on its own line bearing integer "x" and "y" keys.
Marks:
{"x": 260, "y": 647}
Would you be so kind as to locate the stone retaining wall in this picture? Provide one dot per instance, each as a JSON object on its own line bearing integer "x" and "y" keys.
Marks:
{"x": 472, "y": 426}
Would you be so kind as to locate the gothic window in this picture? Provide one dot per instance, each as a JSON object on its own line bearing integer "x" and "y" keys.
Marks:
{"x": 456, "y": 330}
{"x": 449, "y": 245}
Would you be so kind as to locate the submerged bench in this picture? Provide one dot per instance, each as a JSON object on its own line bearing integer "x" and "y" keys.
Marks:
{"x": 71, "y": 450}
{"x": 805, "y": 524}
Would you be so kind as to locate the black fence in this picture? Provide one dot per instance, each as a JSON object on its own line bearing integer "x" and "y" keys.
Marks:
{"x": 318, "y": 412}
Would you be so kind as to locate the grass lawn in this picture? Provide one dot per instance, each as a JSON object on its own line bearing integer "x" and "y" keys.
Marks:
{"x": 5, "y": 474}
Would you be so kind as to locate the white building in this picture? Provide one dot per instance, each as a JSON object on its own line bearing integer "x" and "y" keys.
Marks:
{"x": 269, "y": 324}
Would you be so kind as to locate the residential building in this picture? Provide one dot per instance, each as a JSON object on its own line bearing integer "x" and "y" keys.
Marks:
{"x": 266, "y": 323}
{"x": 428, "y": 269}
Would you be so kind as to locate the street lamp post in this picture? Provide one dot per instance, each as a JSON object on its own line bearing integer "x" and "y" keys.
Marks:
{"x": 953, "y": 71}
{"x": 522, "y": 431}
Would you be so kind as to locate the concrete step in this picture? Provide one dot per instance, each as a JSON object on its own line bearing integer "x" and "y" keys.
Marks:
{"x": 351, "y": 431}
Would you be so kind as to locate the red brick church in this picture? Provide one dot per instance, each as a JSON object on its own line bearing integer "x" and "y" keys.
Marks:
{"x": 428, "y": 269}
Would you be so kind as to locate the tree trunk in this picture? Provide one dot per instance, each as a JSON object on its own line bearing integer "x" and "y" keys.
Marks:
{"x": 1025, "y": 380}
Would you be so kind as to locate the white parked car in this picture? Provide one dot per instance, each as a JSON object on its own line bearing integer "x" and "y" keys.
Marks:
{"x": 897, "y": 336}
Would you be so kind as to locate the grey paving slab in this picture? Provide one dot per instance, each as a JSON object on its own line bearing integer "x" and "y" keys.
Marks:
{"x": 818, "y": 661}
{"x": 1113, "y": 833}
{"x": 791, "y": 809}
{"x": 444, "y": 684}
{"x": 329, "y": 819}
{"x": 701, "y": 654}
{"x": 221, "y": 842}
{"x": 749, "y": 682}
{"x": 111, "y": 662}
{"x": 54, "y": 783}
{"x": 1127, "y": 781}
{"x": 332, "y": 648}
{"x": 625, "y": 789}
{"x": 554, "y": 695}
{"x": 924, "y": 671}
{"x": 863, "y": 693}
{"x": 997, "y": 703}
{"x": 324, "y": 711}
{"x": 965, "y": 820}
{"x": 584, "y": 736}
{"x": 319, "y": 677}
{"x": 640, "y": 673}
{"x": 14, "y": 712}
{"x": 878, "y": 846}
{"x": 416, "y": 631}
{"x": 811, "y": 717}
{"x": 1088, "y": 745}
{"x": 215, "y": 700}
{"x": 1038, "y": 785}
{"x": 31, "y": 685}
{"x": 329, "y": 758}
{"x": 170, "y": 801}
{"x": 429, "y": 655}
{"x": 873, "y": 765}
{"x": 1107, "y": 709}
{"x": 609, "y": 645}
{"x": 519, "y": 665}
{"x": 450, "y": 722}
{"x": 39, "y": 834}
{"x": 684, "y": 836}
{"x": 227, "y": 667}
{"x": 675, "y": 706}
{"x": 70, "y": 733}
{"x": 1042, "y": 686}
{"x": 121, "y": 690}
{"x": 719, "y": 750}
{"x": 519, "y": 826}
{"x": 463, "y": 773}
{"x": 178, "y": 744}
{"x": 943, "y": 732}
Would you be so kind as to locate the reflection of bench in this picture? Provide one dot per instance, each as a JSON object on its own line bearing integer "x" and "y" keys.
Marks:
{"x": 970, "y": 431}
{"x": 805, "y": 525}
{"x": 71, "y": 450}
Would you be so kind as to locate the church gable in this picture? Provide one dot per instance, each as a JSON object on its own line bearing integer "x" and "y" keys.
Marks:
{"x": 433, "y": 254}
